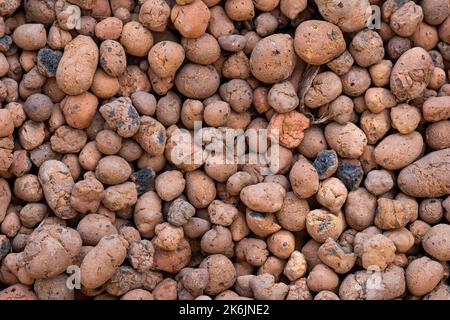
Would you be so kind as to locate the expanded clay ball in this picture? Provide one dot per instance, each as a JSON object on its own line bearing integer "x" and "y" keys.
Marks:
{"x": 431, "y": 211}
{"x": 38, "y": 107}
{"x": 325, "y": 87}
{"x": 322, "y": 224}
{"x": 378, "y": 182}
{"x": 172, "y": 55}
{"x": 191, "y": 20}
{"x": 222, "y": 274}
{"x": 348, "y": 140}
{"x": 281, "y": 244}
{"x": 378, "y": 251}
{"x": 253, "y": 251}
{"x": 435, "y": 242}
{"x": 405, "y": 118}
{"x": 282, "y": 97}
{"x": 304, "y": 178}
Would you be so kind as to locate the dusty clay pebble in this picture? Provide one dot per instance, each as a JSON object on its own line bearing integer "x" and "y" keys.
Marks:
{"x": 151, "y": 136}
{"x": 405, "y": 118}
{"x": 437, "y": 135}
{"x": 349, "y": 15}
{"x": 104, "y": 86}
{"x": 378, "y": 251}
{"x": 68, "y": 140}
{"x": 222, "y": 274}
{"x": 197, "y": 81}
{"x": 52, "y": 248}
{"x": 378, "y": 182}
{"x": 77, "y": 66}
{"x": 87, "y": 194}
{"x": 337, "y": 257}
{"x": 154, "y": 15}
{"x": 436, "y": 109}
{"x": 367, "y": 48}
{"x": 403, "y": 26}
{"x": 288, "y": 128}
{"x": 79, "y": 111}
{"x": 121, "y": 116}
{"x": 30, "y": 36}
{"x": 425, "y": 177}
{"x": 112, "y": 170}
{"x": 263, "y": 197}
{"x": 101, "y": 262}
{"x": 120, "y": 196}
{"x": 171, "y": 53}
{"x": 6, "y": 122}
{"x": 57, "y": 184}
{"x": 326, "y": 163}
{"x": 317, "y": 95}
{"x": 407, "y": 148}
{"x": 273, "y": 58}
{"x": 304, "y": 179}
{"x": 38, "y": 107}
{"x": 93, "y": 227}
{"x": 391, "y": 214}
{"x": 419, "y": 284}
{"x": 112, "y": 58}
{"x": 318, "y": 42}
{"x": 322, "y": 224}
{"x": 264, "y": 288}
{"x": 136, "y": 39}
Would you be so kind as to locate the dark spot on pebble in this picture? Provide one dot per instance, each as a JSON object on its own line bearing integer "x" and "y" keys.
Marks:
{"x": 351, "y": 175}
{"x": 325, "y": 161}
{"x": 143, "y": 179}
{"x": 47, "y": 61}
